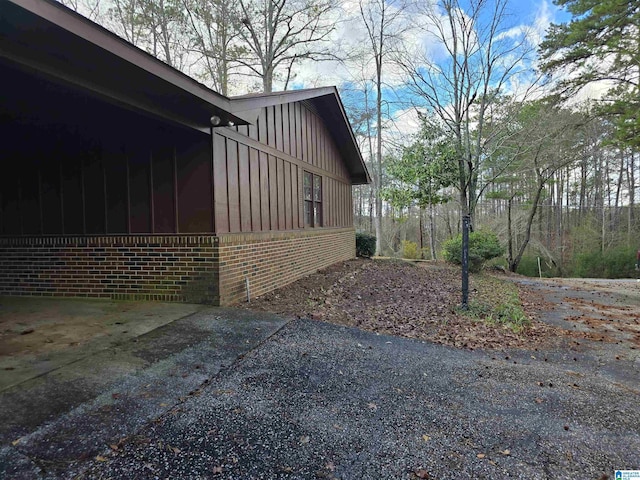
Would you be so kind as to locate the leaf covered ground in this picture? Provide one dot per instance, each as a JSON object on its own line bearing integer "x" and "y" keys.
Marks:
{"x": 415, "y": 300}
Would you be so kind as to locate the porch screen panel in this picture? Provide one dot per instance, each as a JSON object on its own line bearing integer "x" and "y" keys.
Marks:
{"x": 94, "y": 195}
{"x": 11, "y": 224}
{"x": 163, "y": 190}
{"x": 30, "y": 200}
{"x": 140, "y": 191}
{"x": 51, "y": 200}
{"x": 115, "y": 170}
{"x": 194, "y": 188}
{"x": 72, "y": 196}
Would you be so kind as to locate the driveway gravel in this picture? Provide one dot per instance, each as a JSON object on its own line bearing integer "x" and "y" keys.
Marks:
{"x": 324, "y": 401}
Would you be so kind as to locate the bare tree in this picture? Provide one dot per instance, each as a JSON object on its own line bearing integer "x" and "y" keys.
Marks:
{"x": 92, "y": 9}
{"x": 278, "y": 34}
{"x": 124, "y": 19}
{"x": 384, "y": 22}
{"x": 543, "y": 144}
{"x": 479, "y": 59}
{"x": 214, "y": 28}
{"x": 156, "y": 26}
{"x": 164, "y": 22}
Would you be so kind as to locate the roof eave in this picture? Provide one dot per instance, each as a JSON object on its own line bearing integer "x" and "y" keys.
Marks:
{"x": 61, "y": 25}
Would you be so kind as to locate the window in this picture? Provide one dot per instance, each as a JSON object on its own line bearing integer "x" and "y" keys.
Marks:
{"x": 312, "y": 200}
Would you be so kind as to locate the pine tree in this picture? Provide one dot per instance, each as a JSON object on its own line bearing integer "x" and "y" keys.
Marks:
{"x": 600, "y": 43}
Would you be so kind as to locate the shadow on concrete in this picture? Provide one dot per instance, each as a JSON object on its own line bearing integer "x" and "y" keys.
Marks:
{"x": 60, "y": 405}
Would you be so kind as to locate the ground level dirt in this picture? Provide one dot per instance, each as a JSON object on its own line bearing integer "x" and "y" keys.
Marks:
{"x": 418, "y": 300}
{"x": 421, "y": 301}
{"x": 415, "y": 300}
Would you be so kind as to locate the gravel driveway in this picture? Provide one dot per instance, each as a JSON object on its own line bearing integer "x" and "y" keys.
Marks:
{"x": 317, "y": 400}
{"x": 323, "y": 401}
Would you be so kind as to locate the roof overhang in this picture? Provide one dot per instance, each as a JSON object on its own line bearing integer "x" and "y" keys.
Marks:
{"x": 52, "y": 41}
{"x": 327, "y": 102}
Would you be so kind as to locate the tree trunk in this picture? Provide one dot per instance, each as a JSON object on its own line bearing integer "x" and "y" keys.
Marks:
{"x": 379, "y": 153}
{"x": 632, "y": 186}
{"x": 421, "y": 232}
{"x": 267, "y": 80}
{"x": 432, "y": 232}
{"x": 515, "y": 261}
{"x": 510, "y": 259}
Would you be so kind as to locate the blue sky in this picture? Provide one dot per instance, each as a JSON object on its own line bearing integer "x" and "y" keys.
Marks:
{"x": 536, "y": 15}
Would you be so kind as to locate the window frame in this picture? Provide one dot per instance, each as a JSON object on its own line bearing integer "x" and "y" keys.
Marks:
{"x": 312, "y": 203}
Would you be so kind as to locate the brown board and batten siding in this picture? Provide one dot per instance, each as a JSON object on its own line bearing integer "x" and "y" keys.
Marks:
{"x": 134, "y": 190}
{"x": 259, "y": 169}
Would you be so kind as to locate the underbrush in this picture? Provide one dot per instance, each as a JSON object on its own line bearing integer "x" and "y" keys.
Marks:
{"x": 497, "y": 302}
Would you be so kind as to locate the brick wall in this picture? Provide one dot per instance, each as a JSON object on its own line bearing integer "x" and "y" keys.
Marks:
{"x": 274, "y": 259}
{"x": 191, "y": 268}
{"x": 167, "y": 268}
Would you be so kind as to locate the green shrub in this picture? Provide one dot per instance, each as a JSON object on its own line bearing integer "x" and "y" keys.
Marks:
{"x": 365, "y": 245}
{"x": 528, "y": 267}
{"x": 483, "y": 246}
{"x": 614, "y": 263}
{"x": 410, "y": 250}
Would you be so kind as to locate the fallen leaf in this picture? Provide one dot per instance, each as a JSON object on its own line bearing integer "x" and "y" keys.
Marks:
{"x": 330, "y": 466}
{"x": 100, "y": 458}
{"x": 426, "y": 438}
{"x": 422, "y": 473}
{"x": 164, "y": 404}
{"x": 114, "y": 447}
{"x": 372, "y": 406}
{"x": 539, "y": 400}
{"x": 506, "y": 452}
{"x": 305, "y": 439}
{"x": 15, "y": 442}
{"x": 481, "y": 455}
{"x": 216, "y": 470}
{"x": 286, "y": 469}
{"x": 174, "y": 449}
{"x": 492, "y": 462}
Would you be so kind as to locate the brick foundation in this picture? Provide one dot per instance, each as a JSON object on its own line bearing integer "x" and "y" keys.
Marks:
{"x": 192, "y": 268}
{"x": 271, "y": 260}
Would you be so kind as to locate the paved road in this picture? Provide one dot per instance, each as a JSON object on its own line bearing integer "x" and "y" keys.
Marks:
{"x": 316, "y": 400}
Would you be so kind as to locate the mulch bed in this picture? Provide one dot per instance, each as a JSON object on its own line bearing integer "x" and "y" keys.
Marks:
{"x": 405, "y": 299}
